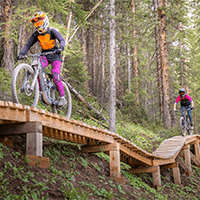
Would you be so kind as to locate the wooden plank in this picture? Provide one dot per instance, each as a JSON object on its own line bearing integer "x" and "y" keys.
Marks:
{"x": 12, "y": 114}
{"x": 20, "y": 128}
{"x": 194, "y": 159}
{"x": 140, "y": 170}
{"x": 135, "y": 155}
{"x": 190, "y": 140}
{"x": 99, "y": 148}
{"x": 70, "y": 127}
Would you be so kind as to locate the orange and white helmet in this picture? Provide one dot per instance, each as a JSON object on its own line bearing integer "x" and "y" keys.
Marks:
{"x": 40, "y": 21}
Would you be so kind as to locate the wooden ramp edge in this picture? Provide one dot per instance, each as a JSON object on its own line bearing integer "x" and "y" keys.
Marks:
{"x": 94, "y": 139}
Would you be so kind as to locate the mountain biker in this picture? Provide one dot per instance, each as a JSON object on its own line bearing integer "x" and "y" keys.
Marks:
{"x": 47, "y": 37}
{"x": 186, "y": 101}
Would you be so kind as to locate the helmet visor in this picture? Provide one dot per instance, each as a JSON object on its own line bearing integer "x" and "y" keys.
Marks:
{"x": 38, "y": 24}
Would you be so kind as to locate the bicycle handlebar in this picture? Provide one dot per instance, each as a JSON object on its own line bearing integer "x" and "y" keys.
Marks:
{"x": 39, "y": 54}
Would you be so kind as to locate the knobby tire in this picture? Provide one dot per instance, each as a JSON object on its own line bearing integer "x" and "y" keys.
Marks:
{"x": 24, "y": 97}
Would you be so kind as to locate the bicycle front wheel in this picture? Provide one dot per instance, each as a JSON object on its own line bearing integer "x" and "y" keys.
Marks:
{"x": 190, "y": 131}
{"x": 182, "y": 126}
{"x": 64, "y": 110}
{"x": 22, "y": 79}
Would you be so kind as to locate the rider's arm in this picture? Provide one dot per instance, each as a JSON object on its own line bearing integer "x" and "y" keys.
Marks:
{"x": 177, "y": 100}
{"x": 32, "y": 40}
{"x": 190, "y": 99}
{"x": 60, "y": 38}
{"x": 175, "y": 106}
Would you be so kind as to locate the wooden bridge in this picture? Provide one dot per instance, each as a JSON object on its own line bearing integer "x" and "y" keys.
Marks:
{"x": 18, "y": 119}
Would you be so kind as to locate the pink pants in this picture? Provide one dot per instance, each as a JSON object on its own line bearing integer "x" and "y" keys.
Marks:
{"x": 55, "y": 72}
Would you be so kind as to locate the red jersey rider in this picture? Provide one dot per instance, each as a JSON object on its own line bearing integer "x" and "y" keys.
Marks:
{"x": 47, "y": 38}
{"x": 185, "y": 101}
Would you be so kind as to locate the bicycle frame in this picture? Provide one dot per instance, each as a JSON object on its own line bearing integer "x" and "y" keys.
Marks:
{"x": 38, "y": 72}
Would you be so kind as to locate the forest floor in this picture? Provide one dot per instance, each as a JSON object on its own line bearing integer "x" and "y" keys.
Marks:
{"x": 76, "y": 175}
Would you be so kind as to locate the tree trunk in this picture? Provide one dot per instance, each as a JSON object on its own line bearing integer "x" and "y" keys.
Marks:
{"x": 8, "y": 56}
{"x": 164, "y": 66}
{"x": 135, "y": 62}
{"x": 112, "y": 103}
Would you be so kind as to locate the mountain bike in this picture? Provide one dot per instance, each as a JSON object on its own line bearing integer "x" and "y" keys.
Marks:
{"x": 185, "y": 124}
{"x": 25, "y": 86}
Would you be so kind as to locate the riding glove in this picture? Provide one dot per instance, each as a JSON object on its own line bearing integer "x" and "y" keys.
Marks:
{"x": 58, "y": 51}
{"x": 19, "y": 57}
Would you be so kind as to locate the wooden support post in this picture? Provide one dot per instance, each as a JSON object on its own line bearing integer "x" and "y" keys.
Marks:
{"x": 115, "y": 165}
{"x": 115, "y": 162}
{"x": 156, "y": 178}
{"x": 187, "y": 157}
{"x": 176, "y": 174}
{"x": 34, "y": 141}
{"x": 197, "y": 150}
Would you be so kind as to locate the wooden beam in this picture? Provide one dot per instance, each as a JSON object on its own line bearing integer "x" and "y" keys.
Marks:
{"x": 182, "y": 164}
{"x": 194, "y": 159}
{"x": 173, "y": 165}
{"x": 20, "y": 128}
{"x": 197, "y": 149}
{"x": 99, "y": 148}
{"x": 135, "y": 155}
{"x": 139, "y": 170}
{"x": 163, "y": 161}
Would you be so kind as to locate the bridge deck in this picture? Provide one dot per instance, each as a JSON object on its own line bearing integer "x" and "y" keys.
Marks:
{"x": 61, "y": 128}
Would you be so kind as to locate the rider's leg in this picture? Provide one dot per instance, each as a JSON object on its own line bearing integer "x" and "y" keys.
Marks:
{"x": 56, "y": 65}
{"x": 44, "y": 63}
{"x": 190, "y": 116}
{"x": 183, "y": 110}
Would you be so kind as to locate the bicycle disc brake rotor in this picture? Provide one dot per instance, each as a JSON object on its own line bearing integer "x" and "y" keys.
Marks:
{"x": 28, "y": 91}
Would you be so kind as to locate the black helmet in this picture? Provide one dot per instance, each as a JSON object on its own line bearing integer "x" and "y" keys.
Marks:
{"x": 182, "y": 90}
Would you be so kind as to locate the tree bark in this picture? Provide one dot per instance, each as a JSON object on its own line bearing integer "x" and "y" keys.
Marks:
{"x": 8, "y": 56}
{"x": 112, "y": 103}
{"x": 135, "y": 62}
{"x": 164, "y": 66}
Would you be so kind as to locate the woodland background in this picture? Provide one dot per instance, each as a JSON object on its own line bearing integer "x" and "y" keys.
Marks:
{"x": 157, "y": 52}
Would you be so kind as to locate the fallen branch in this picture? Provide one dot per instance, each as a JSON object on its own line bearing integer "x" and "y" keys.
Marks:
{"x": 89, "y": 106}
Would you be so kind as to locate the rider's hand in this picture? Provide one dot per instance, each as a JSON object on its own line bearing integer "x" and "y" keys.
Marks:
{"x": 19, "y": 57}
{"x": 192, "y": 107}
{"x": 58, "y": 51}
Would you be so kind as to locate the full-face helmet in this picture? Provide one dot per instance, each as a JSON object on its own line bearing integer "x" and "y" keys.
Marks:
{"x": 40, "y": 21}
{"x": 182, "y": 91}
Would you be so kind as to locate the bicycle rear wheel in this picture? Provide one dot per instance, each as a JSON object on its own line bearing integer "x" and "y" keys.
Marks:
{"x": 22, "y": 78}
{"x": 64, "y": 110}
{"x": 182, "y": 126}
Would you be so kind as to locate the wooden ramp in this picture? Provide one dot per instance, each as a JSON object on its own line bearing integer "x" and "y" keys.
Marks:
{"x": 36, "y": 123}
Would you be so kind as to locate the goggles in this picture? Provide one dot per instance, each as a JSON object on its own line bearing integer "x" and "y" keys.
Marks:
{"x": 182, "y": 93}
{"x": 39, "y": 23}
{"x": 36, "y": 19}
